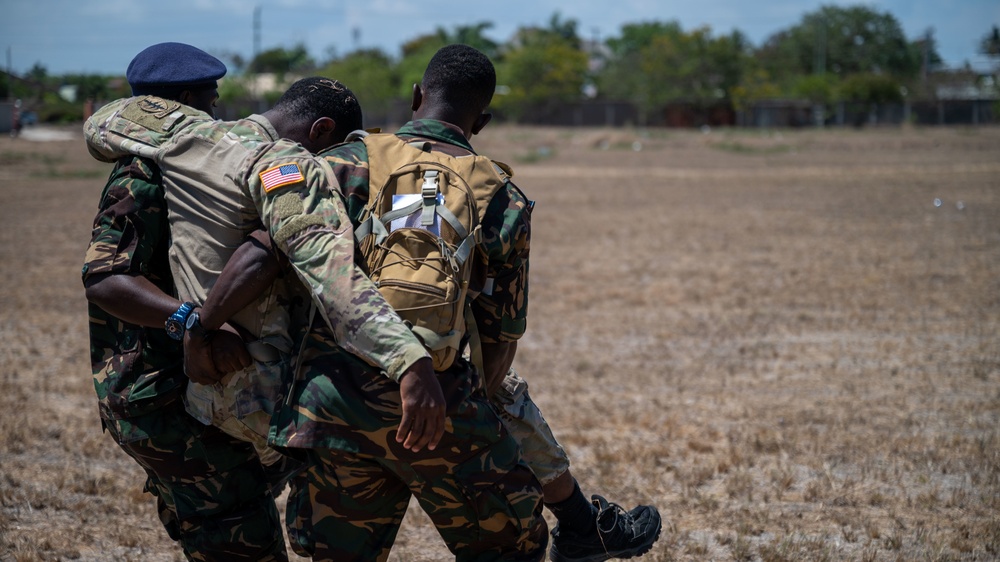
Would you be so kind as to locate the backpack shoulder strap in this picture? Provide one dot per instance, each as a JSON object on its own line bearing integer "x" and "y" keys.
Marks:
{"x": 503, "y": 169}
{"x": 385, "y": 152}
{"x": 357, "y": 134}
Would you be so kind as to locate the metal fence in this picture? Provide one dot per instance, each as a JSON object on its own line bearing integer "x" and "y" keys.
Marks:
{"x": 780, "y": 113}
{"x": 803, "y": 114}
{"x": 771, "y": 113}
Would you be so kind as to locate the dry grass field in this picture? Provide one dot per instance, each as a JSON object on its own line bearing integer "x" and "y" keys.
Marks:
{"x": 787, "y": 341}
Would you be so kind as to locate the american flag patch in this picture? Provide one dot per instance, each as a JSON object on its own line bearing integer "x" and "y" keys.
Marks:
{"x": 280, "y": 175}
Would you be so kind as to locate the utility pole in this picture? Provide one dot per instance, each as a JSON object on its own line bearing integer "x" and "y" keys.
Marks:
{"x": 925, "y": 67}
{"x": 819, "y": 67}
{"x": 10, "y": 77}
{"x": 256, "y": 31}
{"x": 819, "y": 61}
{"x": 256, "y": 50}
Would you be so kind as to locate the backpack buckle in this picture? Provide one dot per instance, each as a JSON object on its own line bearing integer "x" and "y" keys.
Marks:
{"x": 429, "y": 192}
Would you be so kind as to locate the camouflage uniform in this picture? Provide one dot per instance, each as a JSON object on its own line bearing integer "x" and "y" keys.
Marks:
{"x": 498, "y": 288}
{"x": 211, "y": 490}
{"x": 304, "y": 217}
{"x": 482, "y": 498}
{"x": 337, "y": 403}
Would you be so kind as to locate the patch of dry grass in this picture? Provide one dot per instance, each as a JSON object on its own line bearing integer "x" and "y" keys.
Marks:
{"x": 777, "y": 338}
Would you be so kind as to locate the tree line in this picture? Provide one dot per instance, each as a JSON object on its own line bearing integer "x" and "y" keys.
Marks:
{"x": 833, "y": 54}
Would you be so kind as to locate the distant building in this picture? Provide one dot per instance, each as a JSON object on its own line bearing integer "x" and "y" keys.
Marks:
{"x": 68, "y": 92}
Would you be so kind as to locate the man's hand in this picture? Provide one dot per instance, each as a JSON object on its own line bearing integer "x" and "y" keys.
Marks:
{"x": 229, "y": 353}
{"x": 423, "y": 407}
{"x": 198, "y": 363}
{"x": 209, "y": 356}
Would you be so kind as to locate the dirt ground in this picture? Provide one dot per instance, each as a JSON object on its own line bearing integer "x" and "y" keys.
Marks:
{"x": 788, "y": 341}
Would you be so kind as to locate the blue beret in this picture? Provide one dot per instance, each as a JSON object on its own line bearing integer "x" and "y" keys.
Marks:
{"x": 172, "y": 66}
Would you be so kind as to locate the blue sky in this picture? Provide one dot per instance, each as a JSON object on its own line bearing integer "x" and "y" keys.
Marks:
{"x": 102, "y": 36}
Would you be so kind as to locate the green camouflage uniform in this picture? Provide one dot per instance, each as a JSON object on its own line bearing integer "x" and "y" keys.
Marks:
{"x": 484, "y": 501}
{"x": 211, "y": 490}
{"x": 335, "y": 399}
{"x": 499, "y": 284}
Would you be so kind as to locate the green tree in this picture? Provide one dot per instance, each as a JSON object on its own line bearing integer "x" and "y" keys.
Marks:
{"x": 282, "y": 61}
{"x": 924, "y": 51}
{"x": 654, "y": 63}
{"x": 236, "y": 62}
{"x": 641, "y": 46}
{"x": 233, "y": 89}
{"x": 564, "y": 29}
{"x": 817, "y": 88}
{"x": 870, "y": 89}
{"x": 729, "y": 57}
{"x": 89, "y": 86}
{"x": 542, "y": 68}
{"x": 30, "y": 87}
{"x": 989, "y": 45}
{"x": 636, "y": 36}
{"x": 841, "y": 41}
{"x": 778, "y": 58}
{"x": 417, "y": 52}
{"x": 755, "y": 85}
{"x": 37, "y": 74}
{"x": 473, "y": 36}
{"x": 370, "y": 74}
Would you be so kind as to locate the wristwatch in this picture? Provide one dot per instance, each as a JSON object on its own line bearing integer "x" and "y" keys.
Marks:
{"x": 175, "y": 324}
{"x": 193, "y": 324}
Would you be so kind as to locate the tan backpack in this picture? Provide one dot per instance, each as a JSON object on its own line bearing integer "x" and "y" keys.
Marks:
{"x": 419, "y": 232}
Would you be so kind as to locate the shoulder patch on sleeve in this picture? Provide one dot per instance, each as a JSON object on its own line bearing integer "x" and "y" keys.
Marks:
{"x": 153, "y": 113}
{"x": 288, "y": 205}
{"x": 281, "y": 175}
{"x": 289, "y": 209}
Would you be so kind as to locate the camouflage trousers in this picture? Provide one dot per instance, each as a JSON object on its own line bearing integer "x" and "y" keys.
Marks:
{"x": 483, "y": 500}
{"x": 241, "y": 403}
{"x": 211, "y": 491}
{"x": 539, "y": 448}
{"x": 348, "y": 504}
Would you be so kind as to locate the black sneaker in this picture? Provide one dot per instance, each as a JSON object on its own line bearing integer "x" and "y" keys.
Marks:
{"x": 620, "y": 534}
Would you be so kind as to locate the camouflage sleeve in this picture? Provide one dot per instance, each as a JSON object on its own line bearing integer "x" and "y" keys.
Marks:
{"x": 350, "y": 166}
{"x": 136, "y": 126}
{"x": 501, "y": 310}
{"x": 131, "y": 222}
{"x": 301, "y": 206}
